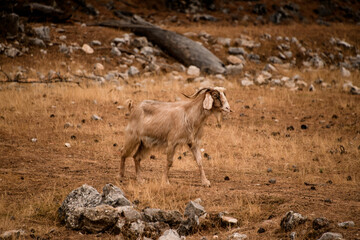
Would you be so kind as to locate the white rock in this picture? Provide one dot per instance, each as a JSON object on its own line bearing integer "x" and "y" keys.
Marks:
{"x": 170, "y": 235}
{"x": 193, "y": 71}
{"x": 67, "y": 145}
{"x": 246, "y": 82}
{"x": 96, "y": 117}
{"x": 34, "y": 140}
{"x": 133, "y": 71}
{"x": 115, "y": 51}
{"x": 331, "y": 236}
{"x": 237, "y": 236}
{"x": 87, "y": 49}
{"x": 345, "y": 72}
{"x": 346, "y": 224}
{"x": 62, "y": 38}
{"x": 234, "y": 60}
{"x": 99, "y": 66}
{"x": 224, "y": 41}
{"x": 95, "y": 43}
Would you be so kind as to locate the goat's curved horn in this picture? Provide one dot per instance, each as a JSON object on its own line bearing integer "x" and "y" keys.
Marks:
{"x": 196, "y": 93}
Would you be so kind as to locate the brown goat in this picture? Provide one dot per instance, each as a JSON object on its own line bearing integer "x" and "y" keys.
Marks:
{"x": 169, "y": 124}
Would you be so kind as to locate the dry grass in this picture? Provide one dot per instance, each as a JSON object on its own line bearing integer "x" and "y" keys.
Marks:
{"x": 242, "y": 149}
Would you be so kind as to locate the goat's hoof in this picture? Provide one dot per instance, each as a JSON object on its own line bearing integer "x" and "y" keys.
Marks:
{"x": 206, "y": 183}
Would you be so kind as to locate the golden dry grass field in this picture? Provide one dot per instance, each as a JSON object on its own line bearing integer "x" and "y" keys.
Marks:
{"x": 35, "y": 177}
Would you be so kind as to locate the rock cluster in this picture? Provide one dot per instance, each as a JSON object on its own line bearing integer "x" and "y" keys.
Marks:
{"x": 87, "y": 210}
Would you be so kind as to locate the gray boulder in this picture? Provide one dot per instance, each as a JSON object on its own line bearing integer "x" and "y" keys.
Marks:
{"x": 84, "y": 196}
{"x": 194, "y": 208}
{"x": 291, "y": 220}
{"x": 129, "y": 213}
{"x": 346, "y": 224}
{"x": 97, "y": 219}
{"x": 236, "y": 51}
{"x": 331, "y": 236}
{"x": 114, "y": 196}
{"x": 173, "y": 218}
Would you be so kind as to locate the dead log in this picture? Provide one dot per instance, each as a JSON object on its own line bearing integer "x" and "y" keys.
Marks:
{"x": 176, "y": 45}
{"x": 41, "y": 12}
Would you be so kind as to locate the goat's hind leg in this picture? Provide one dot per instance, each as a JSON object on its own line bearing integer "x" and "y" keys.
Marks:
{"x": 125, "y": 152}
{"x": 138, "y": 156}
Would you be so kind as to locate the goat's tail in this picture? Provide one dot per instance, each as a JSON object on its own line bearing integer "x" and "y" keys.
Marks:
{"x": 130, "y": 104}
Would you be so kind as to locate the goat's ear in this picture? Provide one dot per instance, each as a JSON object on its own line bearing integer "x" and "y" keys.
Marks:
{"x": 208, "y": 101}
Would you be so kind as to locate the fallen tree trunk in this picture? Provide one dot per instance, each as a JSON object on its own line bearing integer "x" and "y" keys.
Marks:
{"x": 176, "y": 45}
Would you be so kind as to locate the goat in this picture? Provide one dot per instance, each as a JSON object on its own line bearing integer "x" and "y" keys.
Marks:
{"x": 169, "y": 124}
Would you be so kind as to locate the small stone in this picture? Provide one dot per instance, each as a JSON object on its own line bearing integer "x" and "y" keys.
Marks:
{"x": 43, "y": 32}
{"x": 95, "y": 117}
{"x": 37, "y": 42}
{"x": 62, "y": 38}
{"x": 237, "y": 236}
{"x": 87, "y": 49}
{"x": 269, "y": 170}
{"x": 193, "y": 208}
{"x": 67, "y": 145}
{"x": 291, "y": 220}
{"x": 246, "y": 82}
{"x": 95, "y": 43}
{"x": 34, "y": 140}
{"x": 133, "y": 71}
{"x": 346, "y": 224}
{"x": 234, "y": 69}
{"x": 272, "y": 181}
{"x": 261, "y": 230}
{"x": 115, "y": 52}
{"x": 147, "y": 51}
{"x": 320, "y": 223}
{"x": 139, "y": 42}
{"x": 193, "y": 71}
{"x": 12, "y": 52}
{"x": 345, "y": 72}
{"x": 229, "y": 220}
{"x": 236, "y": 51}
{"x": 170, "y": 234}
{"x": 331, "y": 236}
{"x": 226, "y": 178}
{"x": 67, "y": 125}
{"x": 234, "y": 60}
{"x": 292, "y": 235}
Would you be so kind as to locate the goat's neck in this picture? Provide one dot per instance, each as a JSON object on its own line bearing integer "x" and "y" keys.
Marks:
{"x": 196, "y": 113}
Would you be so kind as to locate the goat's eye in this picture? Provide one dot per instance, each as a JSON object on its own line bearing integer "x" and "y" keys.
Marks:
{"x": 215, "y": 95}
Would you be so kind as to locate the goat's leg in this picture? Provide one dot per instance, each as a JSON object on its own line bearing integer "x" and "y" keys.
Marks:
{"x": 197, "y": 156}
{"x": 138, "y": 156}
{"x": 125, "y": 152}
{"x": 170, "y": 151}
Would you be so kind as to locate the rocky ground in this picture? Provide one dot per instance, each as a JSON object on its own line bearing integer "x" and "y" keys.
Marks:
{"x": 291, "y": 145}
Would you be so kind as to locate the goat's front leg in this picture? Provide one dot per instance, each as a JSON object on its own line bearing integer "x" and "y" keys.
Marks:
{"x": 170, "y": 151}
{"x": 197, "y": 156}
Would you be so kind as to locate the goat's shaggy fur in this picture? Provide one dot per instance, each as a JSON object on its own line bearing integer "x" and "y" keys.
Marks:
{"x": 169, "y": 124}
